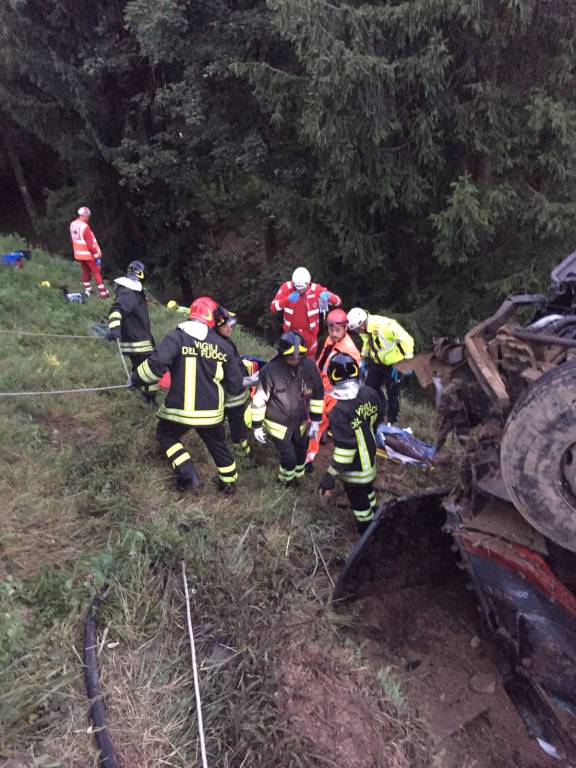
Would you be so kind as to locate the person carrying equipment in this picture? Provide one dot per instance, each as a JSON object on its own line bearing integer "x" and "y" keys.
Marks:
{"x": 385, "y": 343}
{"x": 288, "y": 387}
{"x": 87, "y": 252}
{"x": 302, "y": 301}
{"x": 129, "y": 322}
{"x": 353, "y": 423}
{"x": 202, "y": 373}
{"x": 235, "y": 406}
{"x": 338, "y": 341}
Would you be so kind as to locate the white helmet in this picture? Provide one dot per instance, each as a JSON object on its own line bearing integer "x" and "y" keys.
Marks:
{"x": 301, "y": 278}
{"x": 356, "y": 317}
{"x": 84, "y": 211}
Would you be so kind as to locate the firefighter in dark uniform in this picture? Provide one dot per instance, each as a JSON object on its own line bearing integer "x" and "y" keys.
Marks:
{"x": 353, "y": 422}
{"x": 202, "y": 374}
{"x": 128, "y": 320}
{"x": 289, "y": 390}
{"x": 235, "y": 405}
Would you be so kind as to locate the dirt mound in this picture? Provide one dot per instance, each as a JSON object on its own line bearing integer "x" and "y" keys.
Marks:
{"x": 336, "y": 706}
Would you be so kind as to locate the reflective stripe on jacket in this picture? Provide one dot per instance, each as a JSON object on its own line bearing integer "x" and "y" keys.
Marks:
{"x": 286, "y": 395}
{"x": 303, "y": 314}
{"x": 84, "y": 242}
{"x": 202, "y": 373}
{"x": 353, "y": 424}
{"x": 385, "y": 342}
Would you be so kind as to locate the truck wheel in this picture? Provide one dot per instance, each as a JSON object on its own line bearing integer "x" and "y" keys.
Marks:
{"x": 538, "y": 455}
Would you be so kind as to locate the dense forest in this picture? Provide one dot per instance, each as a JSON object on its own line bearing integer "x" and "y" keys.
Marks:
{"x": 419, "y": 155}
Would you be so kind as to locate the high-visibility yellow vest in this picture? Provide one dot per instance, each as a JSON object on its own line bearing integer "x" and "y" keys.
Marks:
{"x": 385, "y": 342}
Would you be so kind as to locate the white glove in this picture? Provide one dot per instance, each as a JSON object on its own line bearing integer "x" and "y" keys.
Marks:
{"x": 260, "y": 435}
{"x": 249, "y": 381}
{"x": 313, "y": 429}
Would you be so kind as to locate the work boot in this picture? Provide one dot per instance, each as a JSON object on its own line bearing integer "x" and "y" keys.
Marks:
{"x": 228, "y": 489}
{"x": 308, "y": 468}
{"x": 190, "y": 480}
{"x": 149, "y": 397}
{"x": 103, "y": 292}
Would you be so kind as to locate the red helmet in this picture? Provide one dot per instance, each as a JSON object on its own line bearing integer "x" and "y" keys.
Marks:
{"x": 202, "y": 309}
{"x": 337, "y": 316}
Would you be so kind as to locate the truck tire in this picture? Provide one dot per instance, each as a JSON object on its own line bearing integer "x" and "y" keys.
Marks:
{"x": 538, "y": 455}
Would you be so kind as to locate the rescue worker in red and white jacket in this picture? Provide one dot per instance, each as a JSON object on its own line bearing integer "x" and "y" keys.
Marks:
{"x": 87, "y": 252}
{"x": 338, "y": 341}
{"x": 302, "y": 301}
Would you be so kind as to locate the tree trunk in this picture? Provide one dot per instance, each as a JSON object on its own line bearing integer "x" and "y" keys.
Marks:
{"x": 21, "y": 180}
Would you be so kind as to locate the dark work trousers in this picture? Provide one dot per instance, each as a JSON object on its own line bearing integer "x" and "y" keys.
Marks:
{"x": 136, "y": 360}
{"x": 169, "y": 434}
{"x": 378, "y": 375}
{"x": 363, "y": 502}
{"x": 292, "y": 454}
{"x": 238, "y": 429}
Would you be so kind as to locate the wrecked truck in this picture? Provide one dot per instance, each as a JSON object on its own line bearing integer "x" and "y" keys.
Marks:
{"x": 507, "y": 392}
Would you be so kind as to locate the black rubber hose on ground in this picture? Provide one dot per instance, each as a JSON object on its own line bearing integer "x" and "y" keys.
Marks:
{"x": 104, "y": 743}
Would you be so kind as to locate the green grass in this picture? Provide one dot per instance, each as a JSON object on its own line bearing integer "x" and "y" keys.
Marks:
{"x": 87, "y": 499}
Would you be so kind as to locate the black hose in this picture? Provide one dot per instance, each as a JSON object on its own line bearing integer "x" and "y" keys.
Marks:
{"x": 107, "y": 758}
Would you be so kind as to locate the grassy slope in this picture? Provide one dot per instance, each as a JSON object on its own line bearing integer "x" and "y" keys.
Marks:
{"x": 87, "y": 499}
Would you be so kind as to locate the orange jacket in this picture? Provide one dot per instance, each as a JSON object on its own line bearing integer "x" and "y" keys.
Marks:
{"x": 345, "y": 345}
{"x": 84, "y": 242}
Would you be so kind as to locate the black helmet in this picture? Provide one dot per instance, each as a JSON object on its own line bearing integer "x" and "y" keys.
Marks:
{"x": 341, "y": 368}
{"x": 136, "y": 269}
{"x": 223, "y": 316}
{"x": 291, "y": 343}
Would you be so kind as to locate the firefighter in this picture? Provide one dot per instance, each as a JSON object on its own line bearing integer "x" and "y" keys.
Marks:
{"x": 87, "y": 252}
{"x": 289, "y": 389}
{"x": 338, "y": 341}
{"x": 353, "y": 423}
{"x": 202, "y": 373}
{"x": 129, "y": 322}
{"x": 385, "y": 343}
{"x": 302, "y": 302}
{"x": 235, "y": 406}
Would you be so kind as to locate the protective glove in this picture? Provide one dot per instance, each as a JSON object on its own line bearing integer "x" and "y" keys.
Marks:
{"x": 113, "y": 334}
{"x": 313, "y": 429}
{"x": 327, "y": 484}
{"x": 250, "y": 381}
{"x": 260, "y": 435}
{"x": 98, "y": 262}
{"x": 324, "y": 295}
{"x": 362, "y": 368}
{"x": 134, "y": 382}
{"x": 294, "y": 296}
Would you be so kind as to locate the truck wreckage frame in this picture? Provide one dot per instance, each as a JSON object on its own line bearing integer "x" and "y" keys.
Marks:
{"x": 508, "y": 394}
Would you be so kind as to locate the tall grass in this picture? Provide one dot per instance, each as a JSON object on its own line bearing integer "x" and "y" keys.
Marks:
{"x": 87, "y": 499}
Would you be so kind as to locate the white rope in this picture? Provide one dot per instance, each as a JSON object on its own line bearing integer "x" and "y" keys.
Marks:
{"x": 65, "y": 391}
{"x": 194, "y": 668}
{"x": 53, "y": 335}
{"x": 123, "y": 361}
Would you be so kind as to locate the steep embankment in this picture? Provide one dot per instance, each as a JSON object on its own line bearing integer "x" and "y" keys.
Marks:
{"x": 86, "y": 498}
